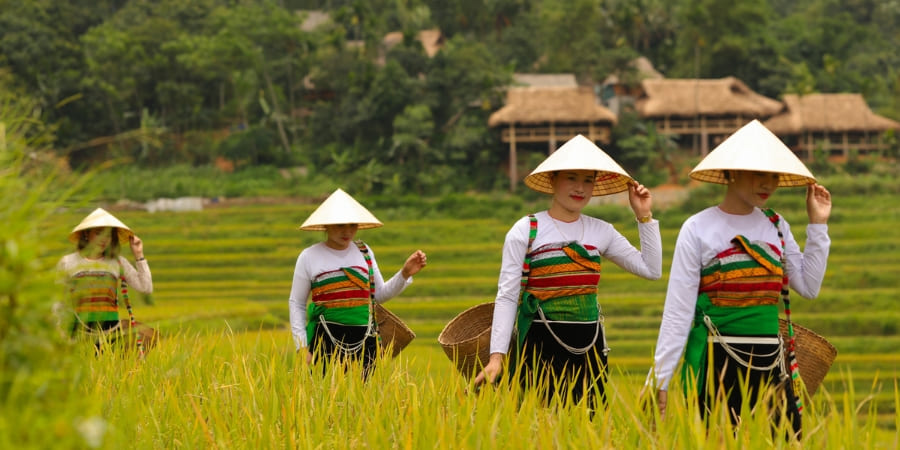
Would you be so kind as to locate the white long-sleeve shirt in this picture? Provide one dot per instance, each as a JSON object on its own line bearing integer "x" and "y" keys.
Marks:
{"x": 320, "y": 258}
{"x": 701, "y": 238}
{"x": 138, "y": 278}
{"x": 646, "y": 262}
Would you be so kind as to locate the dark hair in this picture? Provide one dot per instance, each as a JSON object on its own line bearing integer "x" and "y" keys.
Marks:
{"x": 112, "y": 251}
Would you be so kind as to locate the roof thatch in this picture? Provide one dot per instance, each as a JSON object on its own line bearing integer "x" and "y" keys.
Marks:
{"x": 828, "y": 113}
{"x": 550, "y": 104}
{"x": 432, "y": 40}
{"x": 641, "y": 67}
{"x": 690, "y": 97}
{"x": 545, "y": 79}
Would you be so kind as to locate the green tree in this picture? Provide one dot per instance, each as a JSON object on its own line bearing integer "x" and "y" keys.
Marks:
{"x": 721, "y": 38}
{"x": 39, "y": 44}
{"x": 411, "y": 147}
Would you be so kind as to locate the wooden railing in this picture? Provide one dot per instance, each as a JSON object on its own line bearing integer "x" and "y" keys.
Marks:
{"x": 559, "y": 133}
{"x": 710, "y": 125}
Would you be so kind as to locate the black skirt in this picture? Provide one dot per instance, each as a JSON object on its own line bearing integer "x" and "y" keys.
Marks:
{"x": 327, "y": 351}
{"x": 772, "y": 385}
{"x": 546, "y": 365}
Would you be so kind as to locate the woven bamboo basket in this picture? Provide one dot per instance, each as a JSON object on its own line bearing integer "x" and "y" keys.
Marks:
{"x": 814, "y": 355}
{"x": 395, "y": 335}
{"x": 467, "y": 338}
{"x": 125, "y": 336}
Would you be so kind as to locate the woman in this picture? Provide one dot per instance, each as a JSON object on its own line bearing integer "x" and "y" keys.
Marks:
{"x": 344, "y": 281}
{"x": 551, "y": 267}
{"x": 728, "y": 272}
{"x": 93, "y": 273}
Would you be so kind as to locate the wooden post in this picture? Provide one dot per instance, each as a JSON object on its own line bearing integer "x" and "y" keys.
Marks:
{"x": 704, "y": 137}
{"x": 591, "y": 132}
{"x": 810, "y": 145}
{"x": 513, "y": 163}
{"x": 552, "y": 142}
{"x": 846, "y": 142}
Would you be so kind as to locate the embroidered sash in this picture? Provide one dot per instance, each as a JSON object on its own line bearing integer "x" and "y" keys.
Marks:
{"x": 94, "y": 296}
{"x": 343, "y": 296}
{"x": 747, "y": 274}
{"x": 738, "y": 294}
{"x": 340, "y": 296}
{"x": 562, "y": 281}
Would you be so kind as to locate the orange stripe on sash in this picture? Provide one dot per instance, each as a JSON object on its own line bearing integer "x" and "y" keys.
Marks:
{"x": 556, "y": 292}
{"x": 556, "y": 268}
{"x": 581, "y": 260}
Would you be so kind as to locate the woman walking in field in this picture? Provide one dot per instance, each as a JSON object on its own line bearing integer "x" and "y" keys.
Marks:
{"x": 344, "y": 281}
{"x": 93, "y": 273}
{"x": 547, "y": 290}
{"x": 731, "y": 265}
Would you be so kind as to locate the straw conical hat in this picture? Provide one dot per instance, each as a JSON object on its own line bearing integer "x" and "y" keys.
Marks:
{"x": 754, "y": 148}
{"x": 101, "y": 218}
{"x": 579, "y": 153}
{"x": 340, "y": 208}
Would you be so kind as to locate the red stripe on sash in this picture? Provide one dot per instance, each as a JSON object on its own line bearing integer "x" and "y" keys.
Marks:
{"x": 563, "y": 280}
{"x": 340, "y": 295}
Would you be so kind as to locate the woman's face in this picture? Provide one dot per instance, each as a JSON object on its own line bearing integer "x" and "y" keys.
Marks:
{"x": 754, "y": 188}
{"x": 99, "y": 239}
{"x": 340, "y": 236}
{"x": 572, "y": 189}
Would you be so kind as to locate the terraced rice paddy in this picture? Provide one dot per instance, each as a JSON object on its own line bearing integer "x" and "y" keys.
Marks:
{"x": 232, "y": 267}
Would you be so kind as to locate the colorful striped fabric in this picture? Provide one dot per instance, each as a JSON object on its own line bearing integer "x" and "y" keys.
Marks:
{"x": 564, "y": 278}
{"x": 93, "y": 294}
{"x": 747, "y": 274}
{"x": 562, "y": 282}
{"x": 343, "y": 288}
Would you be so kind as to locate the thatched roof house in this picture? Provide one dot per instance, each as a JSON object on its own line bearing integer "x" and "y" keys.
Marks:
{"x": 541, "y": 105}
{"x": 638, "y": 69}
{"x": 620, "y": 89}
{"x": 702, "y": 112}
{"x": 545, "y": 79}
{"x": 837, "y": 122}
{"x": 550, "y": 115}
{"x": 712, "y": 97}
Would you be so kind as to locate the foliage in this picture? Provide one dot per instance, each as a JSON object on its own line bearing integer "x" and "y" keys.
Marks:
{"x": 30, "y": 344}
{"x": 170, "y": 82}
{"x": 649, "y": 156}
{"x": 140, "y": 185}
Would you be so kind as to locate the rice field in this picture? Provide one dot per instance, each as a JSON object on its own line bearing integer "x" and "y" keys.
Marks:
{"x": 225, "y": 374}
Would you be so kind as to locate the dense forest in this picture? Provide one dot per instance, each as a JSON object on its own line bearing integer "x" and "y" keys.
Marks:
{"x": 187, "y": 81}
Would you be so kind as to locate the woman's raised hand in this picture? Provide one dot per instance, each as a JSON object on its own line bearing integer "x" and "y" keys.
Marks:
{"x": 137, "y": 246}
{"x": 818, "y": 203}
{"x": 414, "y": 263}
{"x": 640, "y": 199}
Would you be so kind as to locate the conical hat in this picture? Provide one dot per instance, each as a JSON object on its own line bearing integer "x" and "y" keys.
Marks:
{"x": 754, "y": 148}
{"x": 579, "y": 153}
{"x": 340, "y": 208}
{"x": 101, "y": 218}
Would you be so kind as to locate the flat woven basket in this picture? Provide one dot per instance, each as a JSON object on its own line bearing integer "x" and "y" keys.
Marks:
{"x": 395, "y": 335}
{"x": 467, "y": 338}
{"x": 814, "y": 355}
